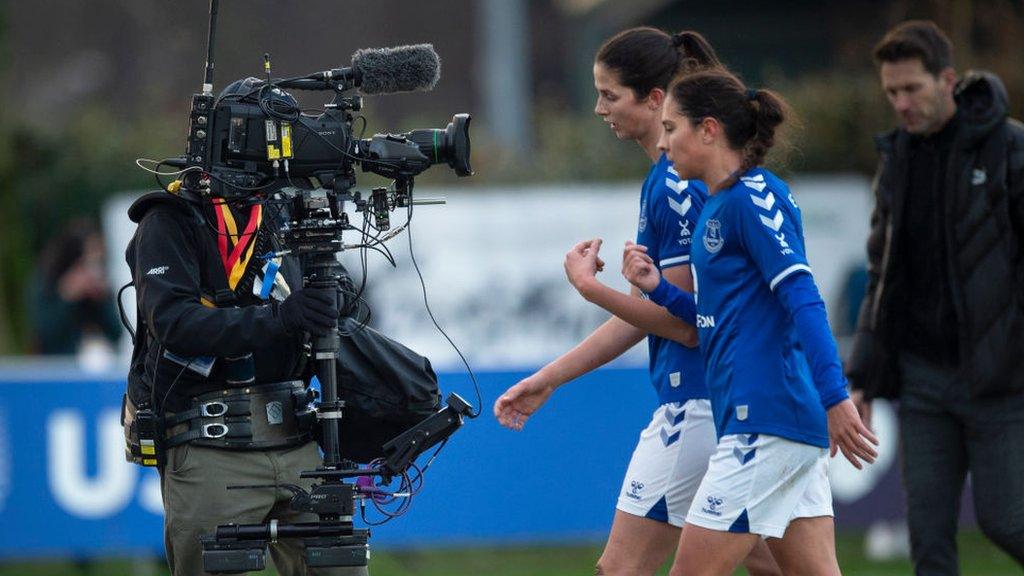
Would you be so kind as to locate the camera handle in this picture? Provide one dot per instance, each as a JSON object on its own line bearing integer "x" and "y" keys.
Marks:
{"x": 327, "y": 273}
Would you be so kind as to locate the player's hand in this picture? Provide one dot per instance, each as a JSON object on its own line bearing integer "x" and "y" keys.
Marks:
{"x": 863, "y": 406}
{"x": 518, "y": 403}
{"x": 848, "y": 434}
{"x": 638, "y": 267}
{"x": 582, "y": 263}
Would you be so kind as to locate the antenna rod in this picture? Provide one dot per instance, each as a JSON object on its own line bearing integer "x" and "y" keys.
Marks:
{"x": 208, "y": 81}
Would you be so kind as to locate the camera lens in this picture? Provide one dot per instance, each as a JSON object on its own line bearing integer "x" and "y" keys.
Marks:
{"x": 450, "y": 145}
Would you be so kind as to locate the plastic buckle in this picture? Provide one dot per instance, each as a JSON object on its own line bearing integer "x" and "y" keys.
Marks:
{"x": 214, "y": 430}
{"x": 219, "y": 409}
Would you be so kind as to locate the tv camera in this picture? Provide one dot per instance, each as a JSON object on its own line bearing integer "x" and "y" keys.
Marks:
{"x": 254, "y": 144}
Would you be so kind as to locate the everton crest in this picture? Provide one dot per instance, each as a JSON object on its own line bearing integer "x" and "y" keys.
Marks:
{"x": 713, "y": 240}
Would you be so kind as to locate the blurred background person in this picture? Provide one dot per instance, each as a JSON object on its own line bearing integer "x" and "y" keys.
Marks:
{"x": 71, "y": 303}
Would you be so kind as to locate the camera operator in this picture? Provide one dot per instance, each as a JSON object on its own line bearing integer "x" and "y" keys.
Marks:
{"x": 219, "y": 356}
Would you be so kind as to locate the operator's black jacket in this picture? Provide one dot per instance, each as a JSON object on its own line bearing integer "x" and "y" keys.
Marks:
{"x": 175, "y": 263}
{"x": 984, "y": 218}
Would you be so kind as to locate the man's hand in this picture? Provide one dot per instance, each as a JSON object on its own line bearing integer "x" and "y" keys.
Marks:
{"x": 582, "y": 264}
{"x": 313, "y": 310}
{"x": 518, "y": 403}
{"x": 848, "y": 434}
{"x": 638, "y": 267}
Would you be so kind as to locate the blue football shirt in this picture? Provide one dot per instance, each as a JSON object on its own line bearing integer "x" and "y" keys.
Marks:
{"x": 749, "y": 239}
{"x": 669, "y": 208}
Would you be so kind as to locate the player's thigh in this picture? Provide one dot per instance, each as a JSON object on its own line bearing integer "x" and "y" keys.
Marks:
{"x": 706, "y": 552}
{"x": 760, "y": 562}
{"x": 808, "y": 548}
{"x": 637, "y": 545}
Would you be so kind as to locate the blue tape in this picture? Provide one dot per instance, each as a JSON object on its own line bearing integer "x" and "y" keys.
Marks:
{"x": 268, "y": 279}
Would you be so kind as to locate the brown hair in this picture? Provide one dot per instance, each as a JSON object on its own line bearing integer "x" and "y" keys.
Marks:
{"x": 647, "y": 58}
{"x": 749, "y": 117}
{"x": 920, "y": 39}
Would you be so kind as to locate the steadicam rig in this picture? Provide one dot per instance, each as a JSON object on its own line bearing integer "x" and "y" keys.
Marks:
{"x": 253, "y": 144}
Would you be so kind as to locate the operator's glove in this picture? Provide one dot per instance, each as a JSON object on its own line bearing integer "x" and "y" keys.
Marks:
{"x": 312, "y": 310}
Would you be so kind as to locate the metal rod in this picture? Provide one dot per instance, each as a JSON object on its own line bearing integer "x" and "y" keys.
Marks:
{"x": 210, "y": 41}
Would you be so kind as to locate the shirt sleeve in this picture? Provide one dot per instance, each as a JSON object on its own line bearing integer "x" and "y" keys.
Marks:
{"x": 167, "y": 279}
{"x": 771, "y": 232}
{"x": 679, "y": 303}
{"x": 674, "y": 216}
{"x": 800, "y": 297}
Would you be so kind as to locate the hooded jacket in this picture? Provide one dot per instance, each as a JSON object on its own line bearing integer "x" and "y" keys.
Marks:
{"x": 185, "y": 310}
{"x": 984, "y": 219}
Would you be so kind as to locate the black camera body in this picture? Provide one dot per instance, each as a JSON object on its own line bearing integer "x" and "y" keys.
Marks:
{"x": 254, "y": 133}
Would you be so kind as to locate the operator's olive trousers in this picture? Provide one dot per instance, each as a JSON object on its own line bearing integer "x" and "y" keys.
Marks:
{"x": 196, "y": 501}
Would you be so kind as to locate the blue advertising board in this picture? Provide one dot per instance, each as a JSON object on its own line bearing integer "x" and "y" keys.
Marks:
{"x": 66, "y": 490}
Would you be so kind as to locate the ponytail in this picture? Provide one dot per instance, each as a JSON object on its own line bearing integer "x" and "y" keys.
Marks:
{"x": 695, "y": 52}
{"x": 768, "y": 112}
{"x": 646, "y": 58}
{"x": 749, "y": 117}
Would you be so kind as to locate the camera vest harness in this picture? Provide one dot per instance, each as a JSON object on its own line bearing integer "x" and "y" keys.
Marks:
{"x": 244, "y": 414}
{"x": 252, "y": 418}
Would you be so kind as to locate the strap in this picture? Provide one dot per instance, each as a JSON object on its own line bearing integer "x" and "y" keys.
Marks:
{"x": 213, "y": 431}
{"x": 234, "y": 418}
{"x": 210, "y": 409}
{"x": 236, "y": 259}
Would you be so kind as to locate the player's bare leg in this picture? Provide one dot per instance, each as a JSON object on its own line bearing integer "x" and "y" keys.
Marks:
{"x": 636, "y": 546}
{"x": 808, "y": 548}
{"x": 760, "y": 561}
{"x": 706, "y": 552}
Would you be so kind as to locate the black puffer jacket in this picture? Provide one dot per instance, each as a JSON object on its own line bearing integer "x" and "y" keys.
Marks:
{"x": 985, "y": 245}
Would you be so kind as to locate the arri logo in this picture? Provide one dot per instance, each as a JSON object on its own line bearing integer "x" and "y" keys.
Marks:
{"x": 157, "y": 270}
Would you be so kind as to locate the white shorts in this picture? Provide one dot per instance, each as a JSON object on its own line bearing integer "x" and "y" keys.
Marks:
{"x": 669, "y": 461}
{"x": 758, "y": 484}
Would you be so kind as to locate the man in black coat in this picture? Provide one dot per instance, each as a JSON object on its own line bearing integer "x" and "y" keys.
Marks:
{"x": 941, "y": 328}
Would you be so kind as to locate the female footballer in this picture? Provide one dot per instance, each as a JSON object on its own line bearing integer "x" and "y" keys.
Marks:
{"x": 777, "y": 389}
{"x": 631, "y": 73}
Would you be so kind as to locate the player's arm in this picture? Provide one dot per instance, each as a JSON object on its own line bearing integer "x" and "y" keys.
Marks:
{"x": 611, "y": 340}
{"x": 643, "y": 313}
{"x": 847, "y": 432}
{"x": 640, "y": 271}
{"x": 608, "y": 342}
{"x": 581, "y": 267}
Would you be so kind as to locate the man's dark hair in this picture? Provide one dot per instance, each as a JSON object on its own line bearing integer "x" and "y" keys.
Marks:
{"x": 920, "y": 39}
